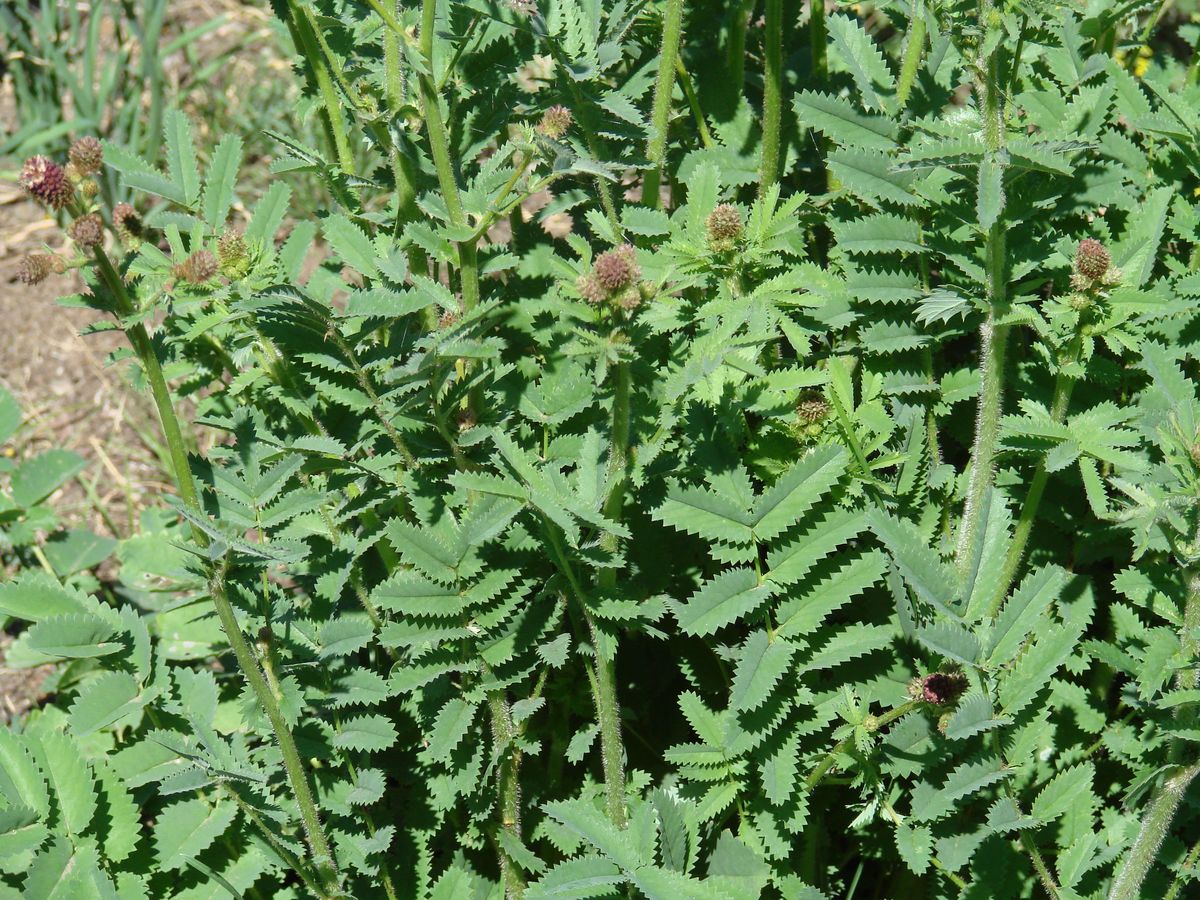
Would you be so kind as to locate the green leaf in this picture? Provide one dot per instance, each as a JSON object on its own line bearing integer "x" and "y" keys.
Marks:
{"x": 350, "y": 243}
{"x": 103, "y": 701}
{"x": 269, "y": 213}
{"x": 706, "y": 514}
{"x": 1064, "y": 792}
{"x": 70, "y": 778}
{"x": 797, "y": 490}
{"x": 762, "y": 663}
{"x": 990, "y": 196}
{"x": 39, "y": 477}
{"x": 77, "y": 549}
{"x": 181, "y": 157}
{"x": 950, "y": 640}
{"x": 932, "y": 580}
{"x": 838, "y": 120}
{"x": 915, "y": 846}
{"x": 451, "y": 726}
{"x": 973, "y": 716}
{"x": 871, "y": 176}
{"x": 187, "y": 828}
{"x": 21, "y": 832}
{"x": 791, "y": 562}
{"x": 409, "y": 594}
{"x": 874, "y": 79}
{"x": 21, "y": 784}
{"x": 73, "y": 636}
{"x": 1052, "y": 647}
{"x": 882, "y": 233}
{"x": 930, "y": 804}
{"x": 594, "y": 827}
{"x": 722, "y": 600}
{"x": 222, "y": 175}
{"x": 345, "y": 635}
{"x": 362, "y": 733}
{"x": 804, "y": 614}
{"x": 34, "y": 596}
{"x": 1023, "y": 611}
{"x": 585, "y": 876}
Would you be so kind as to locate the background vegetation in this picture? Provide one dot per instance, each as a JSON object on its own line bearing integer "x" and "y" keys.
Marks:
{"x": 583, "y": 450}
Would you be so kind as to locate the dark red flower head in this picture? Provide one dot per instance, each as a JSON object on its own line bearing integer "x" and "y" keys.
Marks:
{"x": 47, "y": 181}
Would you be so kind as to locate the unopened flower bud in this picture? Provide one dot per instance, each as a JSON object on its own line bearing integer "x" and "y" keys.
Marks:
{"x": 1080, "y": 302}
{"x": 617, "y": 269}
{"x": 591, "y": 289}
{"x": 724, "y": 227}
{"x": 35, "y": 268}
{"x": 812, "y": 409}
{"x": 89, "y": 189}
{"x": 1092, "y": 259}
{"x": 87, "y": 155}
{"x": 556, "y": 121}
{"x": 46, "y": 181}
{"x": 234, "y": 255}
{"x": 198, "y": 268}
{"x": 87, "y": 231}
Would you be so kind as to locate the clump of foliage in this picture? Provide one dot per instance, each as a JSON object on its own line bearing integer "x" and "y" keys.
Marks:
{"x": 820, "y": 511}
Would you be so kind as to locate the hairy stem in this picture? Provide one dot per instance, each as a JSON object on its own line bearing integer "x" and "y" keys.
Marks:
{"x": 603, "y": 680}
{"x": 1160, "y": 811}
{"x": 293, "y": 766}
{"x": 1063, "y": 386}
{"x": 439, "y": 142}
{"x": 510, "y": 789}
{"x": 1156, "y": 823}
{"x": 735, "y": 50}
{"x": 663, "y": 86}
{"x": 993, "y": 335}
{"x": 1185, "y": 872}
{"x": 307, "y": 43}
{"x": 772, "y": 115}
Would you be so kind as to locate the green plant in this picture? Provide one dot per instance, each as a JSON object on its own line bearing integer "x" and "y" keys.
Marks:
{"x": 664, "y": 558}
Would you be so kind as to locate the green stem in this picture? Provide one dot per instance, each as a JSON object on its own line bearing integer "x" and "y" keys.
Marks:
{"x": 1160, "y": 811}
{"x": 685, "y": 82}
{"x": 830, "y": 759}
{"x": 612, "y": 751}
{"x": 403, "y": 172}
{"x": 364, "y": 382}
{"x": 818, "y": 41}
{"x": 993, "y": 336}
{"x": 503, "y": 734}
{"x": 293, "y": 766}
{"x": 1185, "y": 871}
{"x": 1063, "y": 386}
{"x": 772, "y": 116}
{"x": 1156, "y": 823}
{"x": 439, "y": 143}
{"x": 308, "y": 45}
{"x": 735, "y": 52}
{"x": 1132, "y": 53}
{"x": 663, "y": 86}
